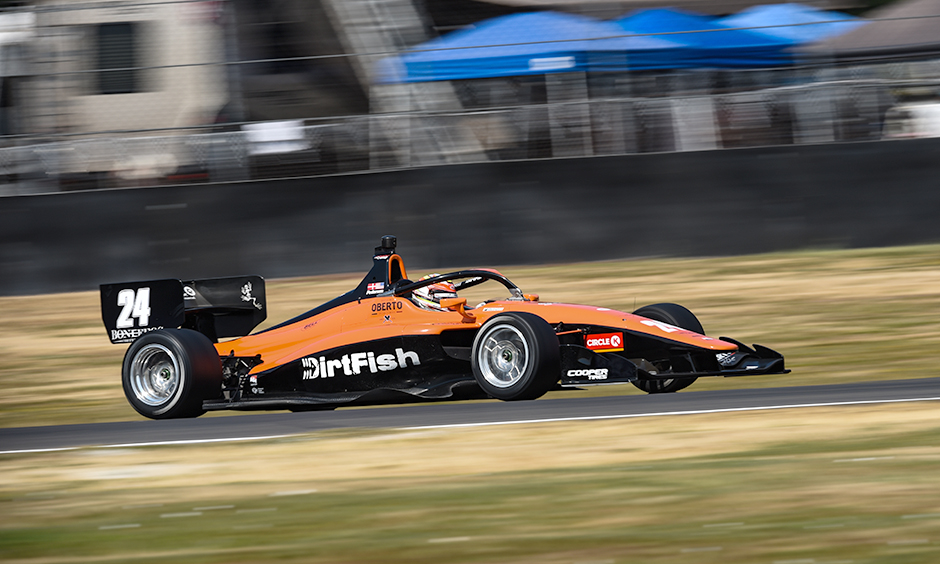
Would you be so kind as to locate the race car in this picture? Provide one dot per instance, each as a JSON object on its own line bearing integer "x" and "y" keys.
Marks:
{"x": 390, "y": 340}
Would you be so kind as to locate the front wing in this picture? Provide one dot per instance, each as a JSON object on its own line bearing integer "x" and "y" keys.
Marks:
{"x": 584, "y": 367}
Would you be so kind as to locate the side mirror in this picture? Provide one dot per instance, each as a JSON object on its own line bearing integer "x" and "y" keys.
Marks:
{"x": 459, "y": 305}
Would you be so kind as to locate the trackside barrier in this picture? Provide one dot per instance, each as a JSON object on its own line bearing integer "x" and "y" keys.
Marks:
{"x": 690, "y": 203}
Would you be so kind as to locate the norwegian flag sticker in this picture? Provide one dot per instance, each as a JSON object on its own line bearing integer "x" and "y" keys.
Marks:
{"x": 604, "y": 342}
{"x": 375, "y": 288}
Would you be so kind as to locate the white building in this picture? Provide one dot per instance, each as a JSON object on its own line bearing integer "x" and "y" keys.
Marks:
{"x": 124, "y": 65}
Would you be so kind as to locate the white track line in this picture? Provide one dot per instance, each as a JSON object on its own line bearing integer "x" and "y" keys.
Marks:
{"x": 491, "y": 423}
{"x": 154, "y": 443}
{"x": 666, "y": 413}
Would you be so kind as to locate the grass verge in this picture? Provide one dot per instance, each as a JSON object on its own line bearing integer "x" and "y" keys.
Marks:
{"x": 814, "y": 485}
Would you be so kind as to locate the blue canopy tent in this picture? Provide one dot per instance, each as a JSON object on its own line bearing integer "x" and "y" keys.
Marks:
{"x": 711, "y": 44}
{"x": 529, "y": 44}
{"x": 796, "y": 23}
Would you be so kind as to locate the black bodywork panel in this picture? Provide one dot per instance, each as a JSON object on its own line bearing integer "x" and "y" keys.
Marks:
{"x": 418, "y": 366}
{"x": 437, "y": 367}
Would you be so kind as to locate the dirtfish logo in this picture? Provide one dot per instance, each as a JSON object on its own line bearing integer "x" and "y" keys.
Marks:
{"x": 357, "y": 363}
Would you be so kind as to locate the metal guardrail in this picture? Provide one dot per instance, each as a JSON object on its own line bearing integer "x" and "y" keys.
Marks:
{"x": 816, "y": 113}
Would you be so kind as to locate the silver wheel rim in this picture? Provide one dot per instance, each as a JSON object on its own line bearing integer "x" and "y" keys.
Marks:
{"x": 503, "y": 356}
{"x": 155, "y": 375}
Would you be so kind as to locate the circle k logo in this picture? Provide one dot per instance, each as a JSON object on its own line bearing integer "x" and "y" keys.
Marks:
{"x": 605, "y": 342}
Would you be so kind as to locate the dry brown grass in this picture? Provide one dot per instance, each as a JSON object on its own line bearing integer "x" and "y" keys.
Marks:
{"x": 345, "y": 461}
{"x": 812, "y": 484}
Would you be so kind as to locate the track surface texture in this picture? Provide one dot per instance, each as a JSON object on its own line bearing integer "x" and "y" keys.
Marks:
{"x": 256, "y": 426}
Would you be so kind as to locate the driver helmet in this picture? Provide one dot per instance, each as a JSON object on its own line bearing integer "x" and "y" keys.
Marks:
{"x": 429, "y": 297}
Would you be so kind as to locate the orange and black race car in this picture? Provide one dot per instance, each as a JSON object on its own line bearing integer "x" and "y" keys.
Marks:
{"x": 386, "y": 342}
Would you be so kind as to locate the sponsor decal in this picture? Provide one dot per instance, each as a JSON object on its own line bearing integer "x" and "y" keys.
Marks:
{"x": 589, "y": 373}
{"x": 375, "y": 288}
{"x": 378, "y": 307}
{"x": 189, "y": 293}
{"x": 661, "y": 326}
{"x": 248, "y": 297}
{"x": 727, "y": 359}
{"x": 126, "y": 335}
{"x": 604, "y": 342}
{"x": 492, "y": 309}
{"x": 380, "y": 257}
{"x": 356, "y": 363}
{"x": 665, "y": 327}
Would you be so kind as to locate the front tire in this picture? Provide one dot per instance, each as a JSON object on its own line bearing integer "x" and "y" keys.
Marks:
{"x": 515, "y": 356}
{"x": 673, "y": 314}
{"x": 167, "y": 373}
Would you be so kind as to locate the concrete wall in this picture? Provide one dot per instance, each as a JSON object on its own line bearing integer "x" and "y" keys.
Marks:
{"x": 677, "y": 204}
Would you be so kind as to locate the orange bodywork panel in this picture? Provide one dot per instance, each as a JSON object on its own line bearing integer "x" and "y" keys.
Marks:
{"x": 385, "y": 317}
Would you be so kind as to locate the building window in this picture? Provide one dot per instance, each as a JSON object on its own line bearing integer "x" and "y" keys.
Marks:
{"x": 118, "y": 58}
{"x": 6, "y": 105}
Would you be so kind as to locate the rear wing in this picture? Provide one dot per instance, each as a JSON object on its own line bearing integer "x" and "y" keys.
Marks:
{"x": 216, "y": 307}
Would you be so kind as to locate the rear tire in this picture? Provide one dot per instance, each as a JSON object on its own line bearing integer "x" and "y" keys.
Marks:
{"x": 515, "y": 356}
{"x": 167, "y": 373}
{"x": 673, "y": 314}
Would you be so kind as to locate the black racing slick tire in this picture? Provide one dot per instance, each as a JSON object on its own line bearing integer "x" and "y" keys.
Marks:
{"x": 516, "y": 356}
{"x": 673, "y": 314}
{"x": 168, "y": 373}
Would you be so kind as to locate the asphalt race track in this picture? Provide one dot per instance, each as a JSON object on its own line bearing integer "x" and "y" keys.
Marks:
{"x": 277, "y": 424}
